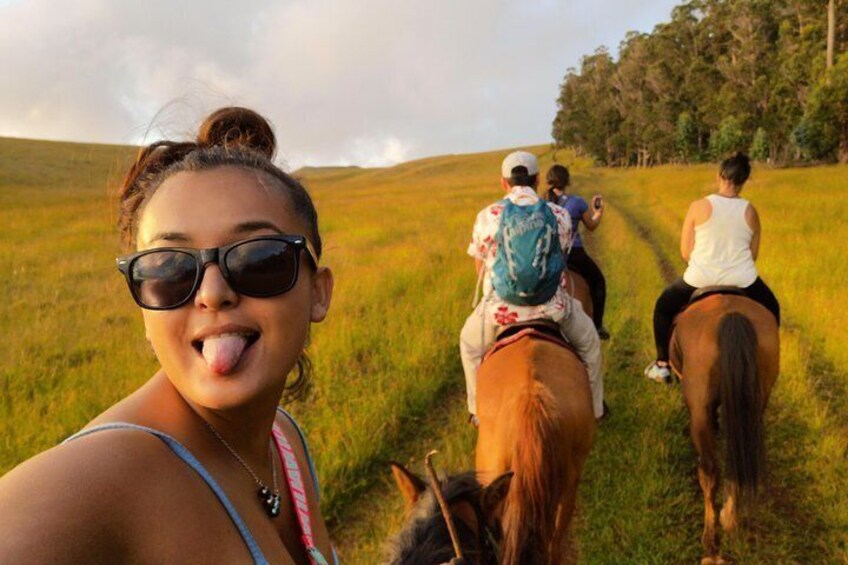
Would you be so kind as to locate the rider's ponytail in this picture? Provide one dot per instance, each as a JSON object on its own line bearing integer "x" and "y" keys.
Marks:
{"x": 558, "y": 177}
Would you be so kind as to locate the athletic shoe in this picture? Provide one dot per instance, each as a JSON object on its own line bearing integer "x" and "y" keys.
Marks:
{"x": 603, "y": 333}
{"x": 472, "y": 419}
{"x": 657, "y": 373}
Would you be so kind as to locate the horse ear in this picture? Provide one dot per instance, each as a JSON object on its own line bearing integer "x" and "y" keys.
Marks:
{"x": 494, "y": 494}
{"x": 410, "y": 486}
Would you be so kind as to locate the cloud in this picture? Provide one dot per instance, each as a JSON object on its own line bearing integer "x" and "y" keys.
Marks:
{"x": 369, "y": 82}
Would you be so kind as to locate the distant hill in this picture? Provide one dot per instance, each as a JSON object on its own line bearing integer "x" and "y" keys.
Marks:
{"x": 48, "y": 165}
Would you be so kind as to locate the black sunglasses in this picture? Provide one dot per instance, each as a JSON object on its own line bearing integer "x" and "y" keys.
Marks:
{"x": 165, "y": 278}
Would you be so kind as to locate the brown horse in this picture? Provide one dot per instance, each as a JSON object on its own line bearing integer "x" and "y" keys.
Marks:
{"x": 474, "y": 509}
{"x": 726, "y": 351}
{"x": 536, "y": 420}
{"x": 577, "y": 287}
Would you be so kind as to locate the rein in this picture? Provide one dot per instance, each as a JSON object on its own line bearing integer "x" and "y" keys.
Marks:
{"x": 437, "y": 490}
{"x": 485, "y": 537}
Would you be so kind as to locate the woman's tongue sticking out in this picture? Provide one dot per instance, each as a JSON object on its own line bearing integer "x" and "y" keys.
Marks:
{"x": 223, "y": 353}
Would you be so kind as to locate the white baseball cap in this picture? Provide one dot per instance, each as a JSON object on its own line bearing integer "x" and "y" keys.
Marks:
{"x": 519, "y": 159}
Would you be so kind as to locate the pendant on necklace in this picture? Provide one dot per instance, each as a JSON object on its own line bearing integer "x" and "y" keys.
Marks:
{"x": 270, "y": 500}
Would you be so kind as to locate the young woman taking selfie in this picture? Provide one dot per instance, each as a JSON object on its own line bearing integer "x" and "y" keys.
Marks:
{"x": 200, "y": 464}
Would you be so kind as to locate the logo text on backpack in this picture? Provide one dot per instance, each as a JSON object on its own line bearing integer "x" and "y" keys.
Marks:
{"x": 529, "y": 260}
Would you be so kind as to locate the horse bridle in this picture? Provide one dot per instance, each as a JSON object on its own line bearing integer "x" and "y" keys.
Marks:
{"x": 486, "y": 540}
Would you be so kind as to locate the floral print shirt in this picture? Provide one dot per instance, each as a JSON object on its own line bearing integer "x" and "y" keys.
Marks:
{"x": 484, "y": 247}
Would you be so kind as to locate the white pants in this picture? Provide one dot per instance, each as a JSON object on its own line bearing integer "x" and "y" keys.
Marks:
{"x": 478, "y": 336}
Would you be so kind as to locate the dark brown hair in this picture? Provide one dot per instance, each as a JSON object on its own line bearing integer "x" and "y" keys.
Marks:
{"x": 232, "y": 136}
{"x": 736, "y": 169}
{"x": 521, "y": 177}
{"x": 558, "y": 177}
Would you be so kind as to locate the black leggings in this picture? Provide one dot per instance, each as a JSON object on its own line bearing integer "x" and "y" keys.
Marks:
{"x": 676, "y": 296}
{"x": 580, "y": 262}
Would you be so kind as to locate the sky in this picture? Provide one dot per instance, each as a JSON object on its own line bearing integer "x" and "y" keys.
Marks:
{"x": 363, "y": 82}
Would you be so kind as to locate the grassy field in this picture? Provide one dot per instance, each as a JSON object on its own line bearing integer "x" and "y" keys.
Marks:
{"x": 388, "y": 378}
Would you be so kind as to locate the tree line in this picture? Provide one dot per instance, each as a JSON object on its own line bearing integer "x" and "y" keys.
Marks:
{"x": 768, "y": 77}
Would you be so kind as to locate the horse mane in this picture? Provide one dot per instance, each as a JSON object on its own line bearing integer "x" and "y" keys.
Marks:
{"x": 529, "y": 519}
{"x": 425, "y": 538}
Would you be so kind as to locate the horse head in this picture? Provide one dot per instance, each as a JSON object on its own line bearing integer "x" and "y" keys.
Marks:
{"x": 475, "y": 509}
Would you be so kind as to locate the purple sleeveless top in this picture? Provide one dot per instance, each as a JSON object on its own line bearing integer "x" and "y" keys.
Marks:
{"x": 576, "y": 206}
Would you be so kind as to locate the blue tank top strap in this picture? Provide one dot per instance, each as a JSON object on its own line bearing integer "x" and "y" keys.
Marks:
{"x": 183, "y": 453}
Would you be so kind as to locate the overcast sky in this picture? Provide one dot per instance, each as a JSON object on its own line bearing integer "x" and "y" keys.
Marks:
{"x": 370, "y": 82}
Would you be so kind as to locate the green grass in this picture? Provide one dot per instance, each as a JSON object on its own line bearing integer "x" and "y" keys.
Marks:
{"x": 388, "y": 379}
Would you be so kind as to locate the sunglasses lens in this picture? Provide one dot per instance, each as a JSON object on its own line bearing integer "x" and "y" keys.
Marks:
{"x": 163, "y": 279}
{"x": 262, "y": 267}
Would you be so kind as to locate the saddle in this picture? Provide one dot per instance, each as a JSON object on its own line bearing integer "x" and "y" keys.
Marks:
{"x": 697, "y": 296}
{"x": 706, "y": 291}
{"x": 540, "y": 329}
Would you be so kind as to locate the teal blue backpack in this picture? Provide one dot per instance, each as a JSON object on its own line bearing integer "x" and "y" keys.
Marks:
{"x": 529, "y": 261}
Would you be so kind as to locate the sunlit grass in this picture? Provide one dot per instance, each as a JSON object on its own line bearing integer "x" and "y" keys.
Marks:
{"x": 388, "y": 383}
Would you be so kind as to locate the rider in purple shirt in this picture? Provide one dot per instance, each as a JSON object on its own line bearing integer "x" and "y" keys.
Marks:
{"x": 576, "y": 207}
{"x": 578, "y": 260}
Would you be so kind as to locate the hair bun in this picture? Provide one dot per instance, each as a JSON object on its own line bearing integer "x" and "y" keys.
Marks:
{"x": 237, "y": 127}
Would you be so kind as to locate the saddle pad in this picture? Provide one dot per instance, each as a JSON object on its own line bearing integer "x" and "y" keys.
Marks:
{"x": 529, "y": 332}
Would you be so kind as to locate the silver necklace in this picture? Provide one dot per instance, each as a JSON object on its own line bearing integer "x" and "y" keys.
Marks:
{"x": 270, "y": 498}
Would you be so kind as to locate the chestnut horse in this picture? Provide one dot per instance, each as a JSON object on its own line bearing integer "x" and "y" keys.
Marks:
{"x": 577, "y": 287}
{"x": 536, "y": 419}
{"x": 535, "y": 410}
{"x": 726, "y": 351}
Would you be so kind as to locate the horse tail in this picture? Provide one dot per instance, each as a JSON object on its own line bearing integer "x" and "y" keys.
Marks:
{"x": 535, "y": 491}
{"x": 741, "y": 400}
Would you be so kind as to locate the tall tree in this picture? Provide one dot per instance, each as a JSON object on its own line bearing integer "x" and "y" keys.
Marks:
{"x": 824, "y": 130}
{"x": 831, "y": 31}
{"x": 721, "y": 74}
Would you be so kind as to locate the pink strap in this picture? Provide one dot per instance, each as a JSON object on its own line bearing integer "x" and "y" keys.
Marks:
{"x": 294, "y": 478}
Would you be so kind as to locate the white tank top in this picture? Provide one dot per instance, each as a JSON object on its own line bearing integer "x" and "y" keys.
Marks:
{"x": 722, "y": 252}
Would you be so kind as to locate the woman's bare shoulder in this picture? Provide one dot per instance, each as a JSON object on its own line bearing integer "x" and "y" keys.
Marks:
{"x": 700, "y": 211}
{"x": 69, "y": 503}
{"x": 701, "y": 204}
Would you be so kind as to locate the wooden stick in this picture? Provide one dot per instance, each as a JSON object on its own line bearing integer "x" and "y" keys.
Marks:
{"x": 437, "y": 491}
